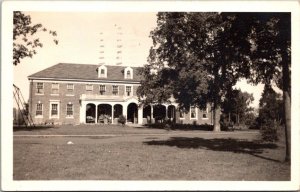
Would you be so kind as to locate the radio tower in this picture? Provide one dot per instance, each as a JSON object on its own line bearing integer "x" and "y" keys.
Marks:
{"x": 102, "y": 48}
{"x": 119, "y": 47}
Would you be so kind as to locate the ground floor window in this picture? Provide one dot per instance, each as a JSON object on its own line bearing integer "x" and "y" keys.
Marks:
{"x": 181, "y": 114}
{"x": 193, "y": 113}
{"x": 54, "y": 109}
{"x": 39, "y": 109}
{"x": 69, "y": 110}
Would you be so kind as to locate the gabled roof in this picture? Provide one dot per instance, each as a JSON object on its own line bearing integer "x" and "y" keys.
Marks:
{"x": 84, "y": 72}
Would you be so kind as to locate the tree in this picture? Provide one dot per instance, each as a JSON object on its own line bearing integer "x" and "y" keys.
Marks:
{"x": 269, "y": 56}
{"x": 188, "y": 63}
{"x": 270, "y": 113}
{"x": 237, "y": 104}
{"x": 24, "y": 41}
{"x": 270, "y": 106}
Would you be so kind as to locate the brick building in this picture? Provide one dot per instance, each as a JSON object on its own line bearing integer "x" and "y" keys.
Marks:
{"x": 81, "y": 93}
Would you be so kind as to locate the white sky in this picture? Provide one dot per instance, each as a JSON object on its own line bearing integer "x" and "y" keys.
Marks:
{"x": 79, "y": 35}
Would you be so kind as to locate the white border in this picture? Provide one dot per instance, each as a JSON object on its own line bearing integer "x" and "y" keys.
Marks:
{"x": 140, "y": 6}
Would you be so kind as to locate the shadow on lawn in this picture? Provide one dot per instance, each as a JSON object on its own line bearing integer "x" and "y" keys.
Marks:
{"x": 230, "y": 145}
{"x": 31, "y": 128}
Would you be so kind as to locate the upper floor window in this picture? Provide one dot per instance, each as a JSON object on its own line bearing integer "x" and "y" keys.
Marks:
{"x": 128, "y": 90}
{"x": 193, "y": 113}
{"x": 102, "y": 71}
{"x": 39, "y": 109}
{"x": 115, "y": 90}
{"x": 128, "y": 73}
{"x": 69, "y": 110}
{"x": 40, "y": 88}
{"x": 55, "y": 88}
{"x": 70, "y": 88}
{"x": 102, "y": 89}
{"x": 89, "y": 88}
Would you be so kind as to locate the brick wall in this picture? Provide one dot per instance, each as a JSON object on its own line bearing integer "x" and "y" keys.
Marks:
{"x": 64, "y": 97}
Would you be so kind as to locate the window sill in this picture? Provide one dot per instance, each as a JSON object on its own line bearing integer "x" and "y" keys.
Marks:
{"x": 39, "y": 117}
{"x": 70, "y": 95}
{"x": 54, "y": 117}
{"x": 70, "y": 117}
{"x": 39, "y": 93}
{"x": 205, "y": 118}
{"x": 52, "y": 94}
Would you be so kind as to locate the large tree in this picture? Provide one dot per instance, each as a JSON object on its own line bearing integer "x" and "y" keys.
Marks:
{"x": 25, "y": 42}
{"x": 187, "y": 62}
{"x": 224, "y": 47}
{"x": 270, "y": 54}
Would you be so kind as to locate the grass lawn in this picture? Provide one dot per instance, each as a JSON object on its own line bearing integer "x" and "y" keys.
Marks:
{"x": 127, "y": 153}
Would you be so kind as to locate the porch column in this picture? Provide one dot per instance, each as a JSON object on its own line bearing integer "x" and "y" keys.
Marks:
{"x": 151, "y": 112}
{"x": 125, "y": 111}
{"x": 96, "y": 114}
{"x": 112, "y": 114}
{"x": 140, "y": 115}
{"x": 166, "y": 106}
{"x": 82, "y": 112}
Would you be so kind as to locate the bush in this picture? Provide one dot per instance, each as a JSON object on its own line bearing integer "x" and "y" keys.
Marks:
{"x": 268, "y": 131}
{"x": 122, "y": 120}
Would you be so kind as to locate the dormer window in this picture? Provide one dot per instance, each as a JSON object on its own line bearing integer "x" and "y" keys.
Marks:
{"x": 102, "y": 72}
{"x": 128, "y": 73}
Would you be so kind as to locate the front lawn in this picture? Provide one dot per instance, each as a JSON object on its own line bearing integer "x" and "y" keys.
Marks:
{"x": 154, "y": 155}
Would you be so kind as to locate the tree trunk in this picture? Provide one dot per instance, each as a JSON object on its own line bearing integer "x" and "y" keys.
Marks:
{"x": 287, "y": 106}
{"x": 238, "y": 119}
{"x": 216, "y": 116}
{"x": 229, "y": 117}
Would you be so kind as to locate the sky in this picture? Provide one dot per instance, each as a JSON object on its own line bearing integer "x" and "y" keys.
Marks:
{"x": 92, "y": 38}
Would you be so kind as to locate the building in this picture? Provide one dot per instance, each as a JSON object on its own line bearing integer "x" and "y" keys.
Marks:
{"x": 82, "y": 93}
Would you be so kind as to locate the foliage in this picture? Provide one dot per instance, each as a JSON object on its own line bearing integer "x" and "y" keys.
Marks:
{"x": 270, "y": 106}
{"x": 269, "y": 131}
{"x": 122, "y": 119}
{"x": 236, "y": 103}
{"x": 24, "y": 41}
{"x": 186, "y": 62}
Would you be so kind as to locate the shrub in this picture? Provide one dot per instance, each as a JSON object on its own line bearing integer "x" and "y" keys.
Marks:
{"x": 122, "y": 120}
{"x": 268, "y": 131}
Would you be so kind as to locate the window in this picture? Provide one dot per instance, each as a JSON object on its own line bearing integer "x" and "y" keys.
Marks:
{"x": 193, "y": 113}
{"x": 55, "y": 88}
{"x": 128, "y": 75}
{"x": 102, "y": 89}
{"x": 69, "y": 110}
{"x": 128, "y": 90}
{"x": 115, "y": 90}
{"x": 54, "y": 109}
{"x": 204, "y": 113}
{"x": 102, "y": 71}
{"x": 70, "y": 88}
{"x": 40, "y": 88}
{"x": 39, "y": 109}
{"x": 181, "y": 114}
{"x": 89, "y": 88}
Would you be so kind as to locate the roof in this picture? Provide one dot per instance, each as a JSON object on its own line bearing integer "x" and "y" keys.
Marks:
{"x": 84, "y": 72}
